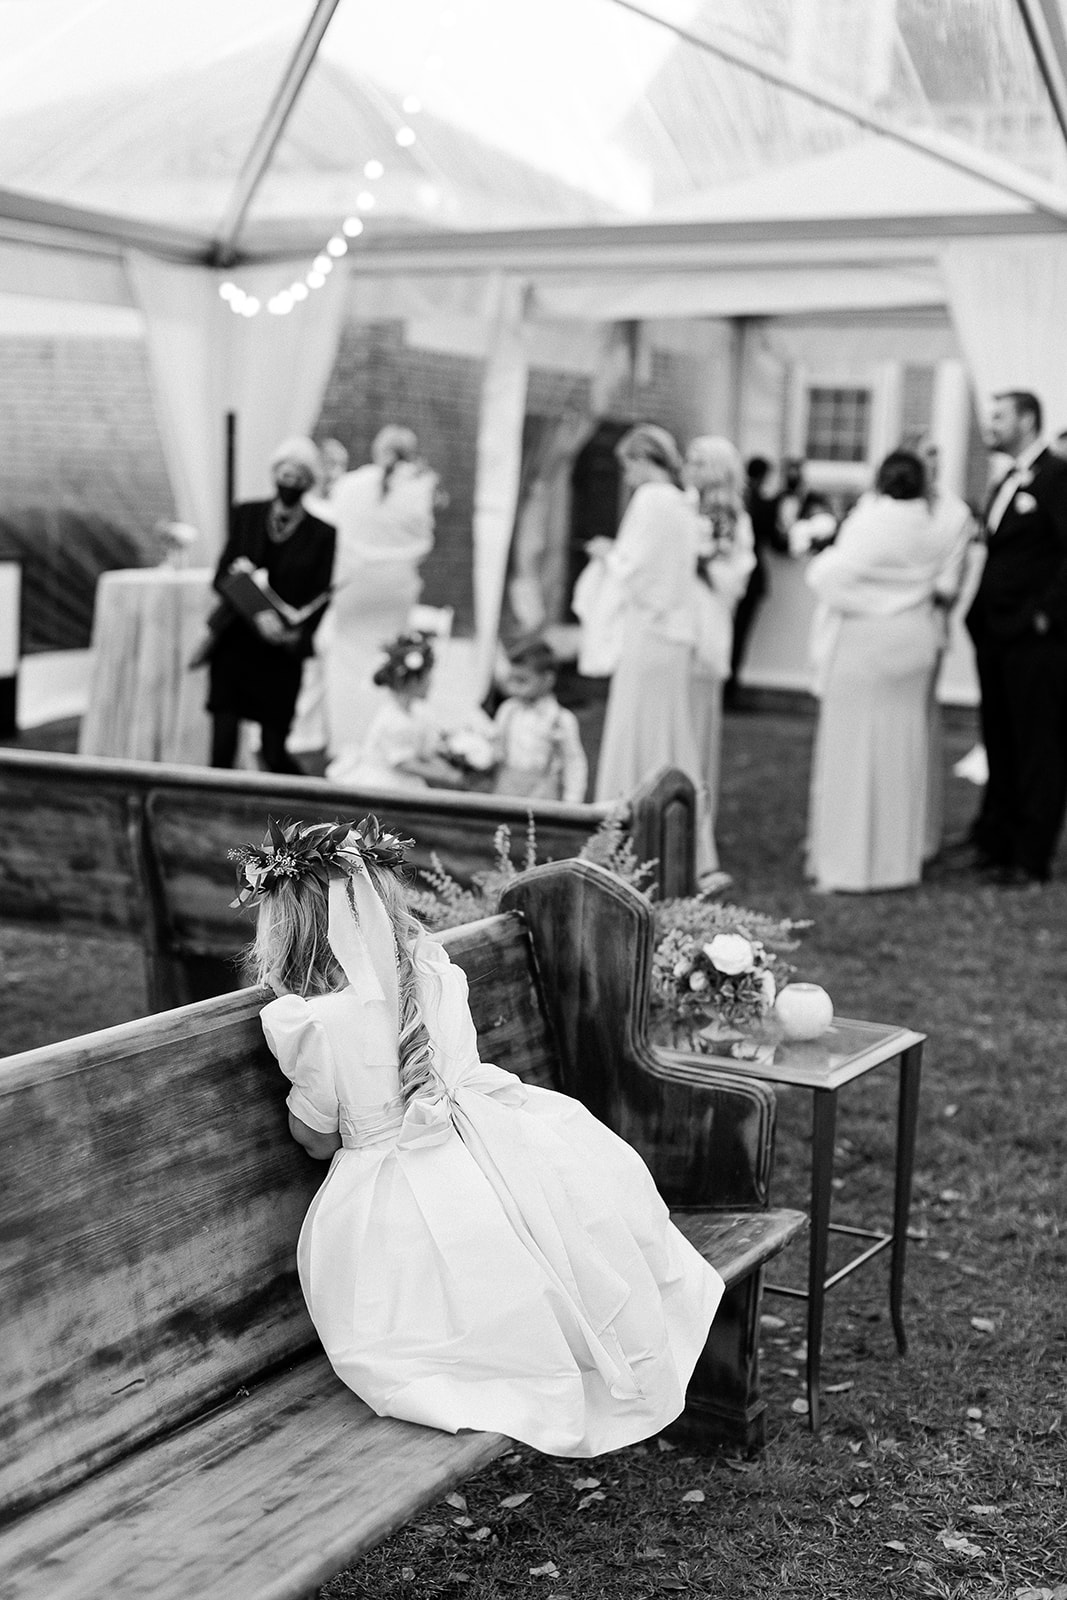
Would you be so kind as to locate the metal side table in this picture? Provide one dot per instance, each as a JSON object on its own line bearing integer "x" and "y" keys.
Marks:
{"x": 848, "y": 1051}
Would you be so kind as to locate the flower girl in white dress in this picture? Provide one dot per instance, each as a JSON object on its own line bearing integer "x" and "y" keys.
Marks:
{"x": 483, "y": 1253}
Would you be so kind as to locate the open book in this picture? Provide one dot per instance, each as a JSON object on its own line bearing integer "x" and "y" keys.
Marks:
{"x": 249, "y": 593}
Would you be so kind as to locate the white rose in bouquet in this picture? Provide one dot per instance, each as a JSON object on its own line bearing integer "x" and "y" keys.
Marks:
{"x": 731, "y": 954}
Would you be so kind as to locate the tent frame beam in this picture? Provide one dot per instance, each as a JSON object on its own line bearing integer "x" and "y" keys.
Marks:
{"x": 1004, "y": 175}
{"x": 1043, "y": 21}
{"x": 258, "y": 159}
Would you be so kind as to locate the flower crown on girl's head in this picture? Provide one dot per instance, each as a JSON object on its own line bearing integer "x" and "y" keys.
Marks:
{"x": 294, "y": 850}
{"x": 406, "y": 657}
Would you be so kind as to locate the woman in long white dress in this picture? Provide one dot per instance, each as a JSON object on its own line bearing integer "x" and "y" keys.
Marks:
{"x": 384, "y": 514}
{"x": 726, "y": 560}
{"x": 649, "y": 721}
{"x": 876, "y": 638}
{"x": 483, "y": 1253}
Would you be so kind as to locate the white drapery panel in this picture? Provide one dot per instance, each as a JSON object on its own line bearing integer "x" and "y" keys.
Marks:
{"x": 271, "y": 371}
{"x": 1008, "y": 302}
{"x": 498, "y": 464}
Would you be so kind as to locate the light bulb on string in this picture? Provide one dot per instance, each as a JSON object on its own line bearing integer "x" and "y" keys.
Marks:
{"x": 365, "y": 200}
{"x": 299, "y": 291}
{"x": 322, "y": 264}
{"x": 337, "y": 246}
{"x": 315, "y": 280}
{"x": 405, "y": 136}
{"x": 373, "y": 170}
{"x": 411, "y": 104}
{"x": 229, "y": 290}
{"x": 249, "y": 306}
{"x": 352, "y": 226}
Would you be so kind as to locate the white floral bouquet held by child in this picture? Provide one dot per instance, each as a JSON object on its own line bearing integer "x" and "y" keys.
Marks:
{"x": 483, "y": 1253}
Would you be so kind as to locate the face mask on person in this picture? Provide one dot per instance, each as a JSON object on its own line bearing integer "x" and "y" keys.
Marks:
{"x": 289, "y": 493}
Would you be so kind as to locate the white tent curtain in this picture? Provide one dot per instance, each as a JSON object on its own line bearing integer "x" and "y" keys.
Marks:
{"x": 1008, "y": 302}
{"x": 204, "y": 360}
{"x": 498, "y": 464}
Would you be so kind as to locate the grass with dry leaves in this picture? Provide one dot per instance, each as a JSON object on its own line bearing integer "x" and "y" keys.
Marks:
{"x": 941, "y": 1474}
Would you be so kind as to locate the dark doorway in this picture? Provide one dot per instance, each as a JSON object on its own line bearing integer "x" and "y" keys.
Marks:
{"x": 596, "y": 496}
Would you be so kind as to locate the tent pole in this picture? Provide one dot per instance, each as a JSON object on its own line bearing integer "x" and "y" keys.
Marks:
{"x": 271, "y": 130}
{"x": 231, "y": 467}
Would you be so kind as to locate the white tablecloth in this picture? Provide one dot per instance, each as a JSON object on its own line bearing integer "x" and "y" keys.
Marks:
{"x": 144, "y": 702}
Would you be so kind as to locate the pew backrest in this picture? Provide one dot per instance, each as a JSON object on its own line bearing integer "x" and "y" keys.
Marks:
{"x": 140, "y": 848}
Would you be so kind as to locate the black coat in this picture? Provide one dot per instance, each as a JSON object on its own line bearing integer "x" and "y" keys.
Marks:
{"x": 1026, "y": 565}
{"x": 250, "y": 678}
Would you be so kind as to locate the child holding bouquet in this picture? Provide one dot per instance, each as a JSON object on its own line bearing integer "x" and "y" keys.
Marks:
{"x": 402, "y": 747}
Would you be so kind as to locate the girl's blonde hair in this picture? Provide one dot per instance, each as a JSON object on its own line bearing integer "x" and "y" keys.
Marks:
{"x": 292, "y": 947}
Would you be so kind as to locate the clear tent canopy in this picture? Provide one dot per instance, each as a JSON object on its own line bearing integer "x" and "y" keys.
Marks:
{"x": 238, "y": 130}
{"x": 552, "y": 173}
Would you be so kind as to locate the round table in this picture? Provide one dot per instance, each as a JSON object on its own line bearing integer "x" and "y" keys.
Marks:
{"x": 145, "y": 704}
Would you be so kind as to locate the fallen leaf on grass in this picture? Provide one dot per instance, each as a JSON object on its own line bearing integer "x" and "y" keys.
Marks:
{"x": 948, "y": 1195}
{"x": 858, "y": 1500}
{"x": 463, "y": 1522}
{"x": 547, "y": 1570}
{"x": 840, "y": 1388}
{"x": 456, "y": 1501}
{"x": 432, "y": 1530}
{"x": 512, "y": 1500}
{"x": 800, "y": 1407}
{"x": 958, "y": 1544}
{"x": 984, "y": 1511}
{"x": 652, "y": 1553}
{"x": 984, "y": 1324}
{"x": 589, "y": 1499}
{"x": 662, "y": 1445}
{"x": 694, "y": 1497}
{"x": 895, "y": 1544}
{"x": 673, "y": 1585}
{"x": 1058, "y": 1593}
{"x": 975, "y": 1414}
{"x": 769, "y": 1320}
{"x": 479, "y": 1535}
{"x": 586, "y": 1483}
{"x": 407, "y": 1574}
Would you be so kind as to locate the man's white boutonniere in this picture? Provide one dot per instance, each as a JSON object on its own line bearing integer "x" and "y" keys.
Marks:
{"x": 1026, "y": 478}
{"x": 1025, "y": 503}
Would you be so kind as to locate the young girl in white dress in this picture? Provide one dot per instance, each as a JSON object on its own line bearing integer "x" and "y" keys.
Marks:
{"x": 401, "y": 750}
{"x": 483, "y": 1253}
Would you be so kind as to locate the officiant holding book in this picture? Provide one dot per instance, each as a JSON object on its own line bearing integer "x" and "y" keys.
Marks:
{"x": 273, "y": 580}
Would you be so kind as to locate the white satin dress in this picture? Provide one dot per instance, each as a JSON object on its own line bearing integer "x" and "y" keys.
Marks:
{"x": 492, "y": 1256}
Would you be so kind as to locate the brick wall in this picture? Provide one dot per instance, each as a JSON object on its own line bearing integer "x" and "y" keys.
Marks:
{"x": 77, "y": 431}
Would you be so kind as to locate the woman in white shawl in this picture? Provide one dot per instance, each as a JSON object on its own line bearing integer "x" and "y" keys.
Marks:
{"x": 649, "y": 722}
{"x": 385, "y": 524}
{"x": 876, "y": 639}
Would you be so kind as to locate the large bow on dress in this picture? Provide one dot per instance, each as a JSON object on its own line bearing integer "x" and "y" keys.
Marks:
{"x": 428, "y": 1118}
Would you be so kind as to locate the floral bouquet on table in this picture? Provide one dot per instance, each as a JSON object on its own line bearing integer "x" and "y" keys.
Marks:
{"x": 716, "y": 971}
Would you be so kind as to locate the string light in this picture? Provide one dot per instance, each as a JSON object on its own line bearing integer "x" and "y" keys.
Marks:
{"x": 284, "y": 300}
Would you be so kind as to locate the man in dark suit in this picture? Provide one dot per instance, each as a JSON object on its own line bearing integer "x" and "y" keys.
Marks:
{"x": 1018, "y": 623}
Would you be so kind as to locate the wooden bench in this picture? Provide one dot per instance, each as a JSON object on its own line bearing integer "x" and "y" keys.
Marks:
{"x": 171, "y": 1429}
{"x": 140, "y": 848}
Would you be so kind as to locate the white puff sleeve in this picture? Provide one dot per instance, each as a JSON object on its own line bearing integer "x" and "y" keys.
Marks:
{"x": 299, "y": 1041}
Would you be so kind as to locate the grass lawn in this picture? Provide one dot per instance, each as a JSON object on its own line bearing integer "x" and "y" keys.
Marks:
{"x": 940, "y": 1474}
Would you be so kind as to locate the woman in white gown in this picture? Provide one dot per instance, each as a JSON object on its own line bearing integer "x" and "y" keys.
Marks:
{"x": 384, "y": 513}
{"x": 483, "y": 1253}
{"x": 649, "y": 721}
{"x": 876, "y": 641}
